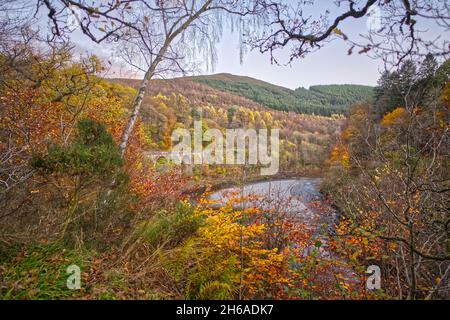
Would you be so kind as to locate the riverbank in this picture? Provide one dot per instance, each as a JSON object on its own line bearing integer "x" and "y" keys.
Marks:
{"x": 300, "y": 198}
{"x": 222, "y": 183}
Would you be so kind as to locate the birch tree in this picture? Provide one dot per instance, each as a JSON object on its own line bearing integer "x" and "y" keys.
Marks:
{"x": 156, "y": 37}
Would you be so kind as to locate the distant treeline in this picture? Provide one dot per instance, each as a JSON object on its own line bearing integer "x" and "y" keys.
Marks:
{"x": 320, "y": 100}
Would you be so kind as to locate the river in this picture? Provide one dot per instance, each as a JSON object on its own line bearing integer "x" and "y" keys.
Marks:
{"x": 298, "y": 197}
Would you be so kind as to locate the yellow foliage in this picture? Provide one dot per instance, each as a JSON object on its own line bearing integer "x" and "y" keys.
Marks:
{"x": 227, "y": 231}
{"x": 340, "y": 154}
{"x": 394, "y": 117}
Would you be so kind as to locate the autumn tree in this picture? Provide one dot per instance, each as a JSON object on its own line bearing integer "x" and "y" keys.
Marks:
{"x": 158, "y": 35}
{"x": 392, "y": 184}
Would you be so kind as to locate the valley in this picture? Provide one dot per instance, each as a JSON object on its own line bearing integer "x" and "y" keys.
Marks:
{"x": 176, "y": 186}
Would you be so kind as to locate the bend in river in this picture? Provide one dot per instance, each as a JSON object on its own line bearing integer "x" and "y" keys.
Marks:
{"x": 300, "y": 198}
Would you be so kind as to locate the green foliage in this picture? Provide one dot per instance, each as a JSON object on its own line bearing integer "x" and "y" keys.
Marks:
{"x": 343, "y": 95}
{"x": 40, "y": 272}
{"x": 319, "y": 100}
{"x": 90, "y": 161}
{"x": 411, "y": 84}
{"x": 230, "y": 114}
{"x": 214, "y": 280}
{"x": 170, "y": 227}
{"x": 93, "y": 151}
{"x": 202, "y": 272}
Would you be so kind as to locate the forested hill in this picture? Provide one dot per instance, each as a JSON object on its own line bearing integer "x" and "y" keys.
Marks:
{"x": 321, "y": 100}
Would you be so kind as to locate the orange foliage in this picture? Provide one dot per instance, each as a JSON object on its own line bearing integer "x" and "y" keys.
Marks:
{"x": 394, "y": 117}
{"x": 340, "y": 155}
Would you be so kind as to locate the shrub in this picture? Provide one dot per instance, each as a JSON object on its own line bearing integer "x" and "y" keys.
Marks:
{"x": 93, "y": 152}
{"x": 85, "y": 170}
{"x": 170, "y": 227}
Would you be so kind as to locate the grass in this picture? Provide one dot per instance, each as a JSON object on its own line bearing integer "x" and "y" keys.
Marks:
{"x": 40, "y": 273}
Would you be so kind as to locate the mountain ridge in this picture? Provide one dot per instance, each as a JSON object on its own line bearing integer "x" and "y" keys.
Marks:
{"x": 235, "y": 77}
{"x": 317, "y": 99}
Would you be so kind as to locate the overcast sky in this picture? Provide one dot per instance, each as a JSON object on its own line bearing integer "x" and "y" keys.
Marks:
{"x": 330, "y": 65}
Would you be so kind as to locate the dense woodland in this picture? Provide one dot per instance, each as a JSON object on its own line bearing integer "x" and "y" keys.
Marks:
{"x": 78, "y": 187}
{"x": 60, "y": 153}
{"x": 389, "y": 175}
{"x": 306, "y": 140}
{"x": 69, "y": 195}
{"x": 323, "y": 100}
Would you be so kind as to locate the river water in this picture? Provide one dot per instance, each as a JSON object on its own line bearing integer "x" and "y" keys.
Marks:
{"x": 298, "y": 197}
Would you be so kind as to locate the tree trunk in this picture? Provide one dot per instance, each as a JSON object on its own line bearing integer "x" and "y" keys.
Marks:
{"x": 150, "y": 73}
{"x": 139, "y": 98}
{"x": 136, "y": 108}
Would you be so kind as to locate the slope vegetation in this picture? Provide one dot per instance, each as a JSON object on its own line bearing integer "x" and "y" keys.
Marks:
{"x": 321, "y": 100}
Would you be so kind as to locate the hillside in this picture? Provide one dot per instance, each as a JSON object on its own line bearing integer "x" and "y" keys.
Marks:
{"x": 323, "y": 100}
{"x": 196, "y": 93}
{"x": 305, "y": 139}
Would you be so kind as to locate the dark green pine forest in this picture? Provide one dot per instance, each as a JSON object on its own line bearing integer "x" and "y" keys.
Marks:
{"x": 323, "y": 100}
